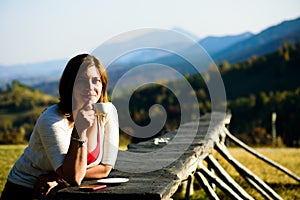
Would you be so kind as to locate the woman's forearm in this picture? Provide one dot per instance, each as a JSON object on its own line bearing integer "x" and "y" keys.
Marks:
{"x": 74, "y": 167}
{"x": 98, "y": 171}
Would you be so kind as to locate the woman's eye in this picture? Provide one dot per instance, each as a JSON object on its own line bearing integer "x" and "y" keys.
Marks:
{"x": 96, "y": 80}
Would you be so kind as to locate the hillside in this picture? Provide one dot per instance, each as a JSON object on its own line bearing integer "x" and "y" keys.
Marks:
{"x": 255, "y": 89}
{"x": 20, "y": 106}
{"x": 260, "y": 86}
{"x": 277, "y": 71}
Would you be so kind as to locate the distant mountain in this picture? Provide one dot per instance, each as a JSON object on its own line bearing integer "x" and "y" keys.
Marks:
{"x": 214, "y": 44}
{"x": 32, "y": 73}
{"x": 233, "y": 48}
{"x": 211, "y": 45}
{"x": 267, "y": 41}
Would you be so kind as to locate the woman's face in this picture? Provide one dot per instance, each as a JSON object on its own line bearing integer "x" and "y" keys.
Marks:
{"x": 87, "y": 87}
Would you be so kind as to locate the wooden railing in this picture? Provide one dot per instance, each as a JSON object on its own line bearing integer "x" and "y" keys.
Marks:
{"x": 163, "y": 183}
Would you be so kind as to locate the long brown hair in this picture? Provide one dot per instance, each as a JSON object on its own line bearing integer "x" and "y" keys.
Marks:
{"x": 68, "y": 78}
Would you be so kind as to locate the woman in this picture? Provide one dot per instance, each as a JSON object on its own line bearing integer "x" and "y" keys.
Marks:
{"x": 70, "y": 141}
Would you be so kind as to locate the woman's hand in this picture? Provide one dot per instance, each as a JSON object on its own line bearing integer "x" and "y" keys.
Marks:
{"x": 45, "y": 183}
{"x": 85, "y": 118}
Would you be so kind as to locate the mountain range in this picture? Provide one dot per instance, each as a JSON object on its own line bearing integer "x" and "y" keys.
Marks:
{"x": 230, "y": 48}
{"x": 267, "y": 41}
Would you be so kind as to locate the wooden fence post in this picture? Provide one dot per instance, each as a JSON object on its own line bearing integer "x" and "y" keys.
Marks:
{"x": 227, "y": 178}
{"x": 219, "y": 183}
{"x": 245, "y": 172}
{"x": 206, "y": 186}
{"x": 258, "y": 155}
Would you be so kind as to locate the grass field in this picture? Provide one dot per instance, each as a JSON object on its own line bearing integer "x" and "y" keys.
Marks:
{"x": 8, "y": 155}
{"x": 285, "y": 186}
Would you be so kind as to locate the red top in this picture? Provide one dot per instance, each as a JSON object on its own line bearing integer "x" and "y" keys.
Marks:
{"x": 92, "y": 156}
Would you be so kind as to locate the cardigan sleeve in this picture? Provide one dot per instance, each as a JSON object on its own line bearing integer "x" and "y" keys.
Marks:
{"x": 111, "y": 137}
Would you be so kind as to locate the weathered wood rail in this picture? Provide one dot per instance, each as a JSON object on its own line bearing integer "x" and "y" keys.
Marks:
{"x": 164, "y": 182}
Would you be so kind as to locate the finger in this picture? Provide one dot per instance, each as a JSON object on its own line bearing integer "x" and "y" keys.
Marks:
{"x": 88, "y": 116}
{"x": 90, "y": 113}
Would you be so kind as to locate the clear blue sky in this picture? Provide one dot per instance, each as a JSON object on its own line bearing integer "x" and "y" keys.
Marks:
{"x": 34, "y": 30}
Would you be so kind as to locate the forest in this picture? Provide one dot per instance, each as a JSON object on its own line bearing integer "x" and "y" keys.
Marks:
{"x": 255, "y": 89}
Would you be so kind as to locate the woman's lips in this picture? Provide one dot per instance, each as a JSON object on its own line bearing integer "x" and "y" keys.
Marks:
{"x": 89, "y": 96}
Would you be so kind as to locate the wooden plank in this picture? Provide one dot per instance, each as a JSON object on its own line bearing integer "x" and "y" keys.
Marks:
{"x": 162, "y": 183}
{"x": 140, "y": 186}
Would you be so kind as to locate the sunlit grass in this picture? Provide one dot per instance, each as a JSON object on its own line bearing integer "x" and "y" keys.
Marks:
{"x": 281, "y": 183}
{"x": 287, "y": 157}
{"x": 284, "y": 185}
{"x": 8, "y": 156}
